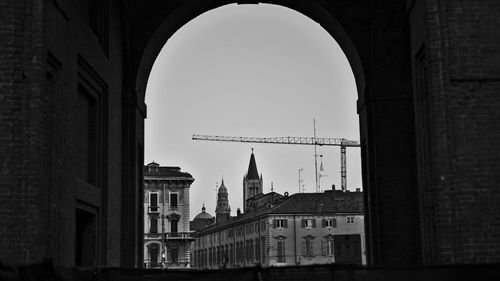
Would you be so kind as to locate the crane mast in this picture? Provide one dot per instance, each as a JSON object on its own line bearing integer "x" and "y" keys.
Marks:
{"x": 343, "y": 143}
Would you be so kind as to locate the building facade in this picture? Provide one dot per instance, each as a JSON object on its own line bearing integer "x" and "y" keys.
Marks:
{"x": 280, "y": 230}
{"x": 167, "y": 235}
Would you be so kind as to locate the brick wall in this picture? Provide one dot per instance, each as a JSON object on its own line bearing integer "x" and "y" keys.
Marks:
{"x": 47, "y": 51}
{"x": 23, "y": 119}
{"x": 458, "y": 167}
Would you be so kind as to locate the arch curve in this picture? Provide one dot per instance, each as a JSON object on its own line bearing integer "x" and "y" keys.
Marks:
{"x": 193, "y": 8}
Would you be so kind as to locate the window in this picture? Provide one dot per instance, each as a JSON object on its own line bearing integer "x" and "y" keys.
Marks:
{"x": 174, "y": 255}
{"x": 328, "y": 247}
{"x": 308, "y": 247}
{"x": 350, "y": 219}
{"x": 173, "y": 227}
{"x": 153, "y": 227}
{"x": 281, "y": 250}
{"x": 231, "y": 254}
{"x": 247, "y": 250}
{"x": 173, "y": 200}
{"x": 91, "y": 125}
{"x": 308, "y": 223}
{"x": 257, "y": 249}
{"x": 280, "y": 223}
{"x": 250, "y": 250}
{"x": 153, "y": 255}
{"x": 263, "y": 225}
{"x": 153, "y": 202}
{"x": 86, "y": 238}
{"x": 263, "y": 245}
{"x": 329, "y": 222}
{"x": 87, "y": 134}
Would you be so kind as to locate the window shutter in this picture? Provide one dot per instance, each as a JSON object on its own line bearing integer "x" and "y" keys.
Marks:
{"x": 274, "y": 223}
{"x": 303, "y": 223}
{"x": 313, "y": 223}
{"x": 304, "y": 253}
{"x": 312, "y": 247}
{"x": 324, "y": 245}
{"x": 285, "y": 223}
{"x": 323, "y": 223}
{"x": 334, "y": 222}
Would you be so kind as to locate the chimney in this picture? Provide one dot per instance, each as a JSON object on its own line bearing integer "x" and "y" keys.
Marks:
{"x": 358, "y": 189}
{"x": 238, "y": 212}
{"x": 333, "y": 187}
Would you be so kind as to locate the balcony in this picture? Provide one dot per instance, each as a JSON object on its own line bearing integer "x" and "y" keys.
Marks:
{"x": 153, "y": 210}
{"x": 178, "y": 236}
{"x": 152, "y": 235}
{"x": 148, "y": 264}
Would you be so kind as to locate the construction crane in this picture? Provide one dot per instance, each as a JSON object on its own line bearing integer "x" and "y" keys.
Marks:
{"x": 343, "y": 143}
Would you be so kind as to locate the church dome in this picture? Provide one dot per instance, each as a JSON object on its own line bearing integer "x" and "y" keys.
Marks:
{"x": 203, "y": 214}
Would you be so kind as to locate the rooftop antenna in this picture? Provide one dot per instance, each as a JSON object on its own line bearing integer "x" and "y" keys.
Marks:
{"x": 320, "y": 175}
{"x": 300, "y": 180}
{"x": 321, "y": 165}
{"x": 272, "y": 187}
{"x": 315, "y": 155}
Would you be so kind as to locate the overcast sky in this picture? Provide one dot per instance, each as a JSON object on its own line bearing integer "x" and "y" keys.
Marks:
{"x": 251, "y": 70}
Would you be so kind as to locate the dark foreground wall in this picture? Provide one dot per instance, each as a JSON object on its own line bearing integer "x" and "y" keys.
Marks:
{"x": 73, "y": 76}
{"x": 319, "y": 273}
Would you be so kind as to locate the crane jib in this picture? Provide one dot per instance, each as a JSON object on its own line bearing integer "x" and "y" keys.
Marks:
{"x": 343, "y": 143}
{"x": 283, "y": 140}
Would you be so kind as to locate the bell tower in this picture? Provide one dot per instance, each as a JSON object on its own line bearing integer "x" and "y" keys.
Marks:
{"x": 222, "y": 211}
{"x": 252, "y": 182}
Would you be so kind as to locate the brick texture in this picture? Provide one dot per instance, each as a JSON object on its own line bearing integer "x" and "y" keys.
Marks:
{"x": 428, "y": 77}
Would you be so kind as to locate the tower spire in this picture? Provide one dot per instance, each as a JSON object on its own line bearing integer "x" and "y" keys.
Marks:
{"x": 222, "y": 211}
{"x": 252, "y": 182}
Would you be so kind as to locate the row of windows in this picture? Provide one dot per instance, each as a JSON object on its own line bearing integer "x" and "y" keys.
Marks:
{"x": 153, "y": 201}
{"x": 254, "y": 251}
{"x": 153, "y": 227}
{"x": 311, "y": 223}
{"x": 249, "y": 251}
{"x": 154, "y": 251}
{"x": 308, "y": 248}
{"x": 248, "y": 229}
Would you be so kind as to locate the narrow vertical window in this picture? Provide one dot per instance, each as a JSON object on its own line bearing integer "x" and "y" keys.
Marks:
{"x": 308, "y": 247}
{"x": 281, "y": 251}
{"x": 153, "y": 228}
{"x": 86, "y": 238}
{"x": 153, "y": 202}
{"x": 173, "y": 200}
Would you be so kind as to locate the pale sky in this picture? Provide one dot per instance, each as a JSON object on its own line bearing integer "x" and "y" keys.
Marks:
{"x": 251, "y": 70}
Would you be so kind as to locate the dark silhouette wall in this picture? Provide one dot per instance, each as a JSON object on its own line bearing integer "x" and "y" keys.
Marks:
{"x": 73, "y": 76}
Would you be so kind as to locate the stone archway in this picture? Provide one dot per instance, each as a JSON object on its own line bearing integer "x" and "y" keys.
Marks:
{"x": 382, "y": 68}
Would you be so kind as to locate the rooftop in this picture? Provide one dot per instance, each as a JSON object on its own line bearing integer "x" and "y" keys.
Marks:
{"x": 155, "y": 170}
{"x": 328, "y": 202}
